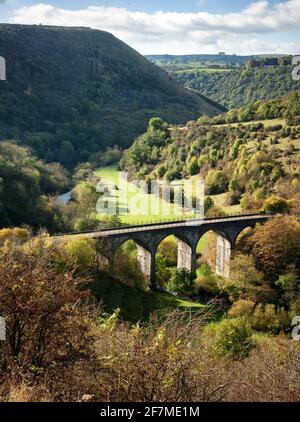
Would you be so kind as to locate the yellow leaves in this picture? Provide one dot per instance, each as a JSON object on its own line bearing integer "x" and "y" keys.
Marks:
{"x": 10, "y": 237}
{"x": 109, "y": 323}
{"x": 159, "y": 338}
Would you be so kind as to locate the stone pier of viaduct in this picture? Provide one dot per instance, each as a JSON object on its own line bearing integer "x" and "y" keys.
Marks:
{"x": 188, "y": 234}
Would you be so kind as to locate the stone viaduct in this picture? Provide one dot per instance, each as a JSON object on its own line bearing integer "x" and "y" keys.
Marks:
{"x": 188, "y": 233}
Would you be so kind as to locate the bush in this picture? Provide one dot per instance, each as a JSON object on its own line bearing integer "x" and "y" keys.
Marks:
{"x": 275, "y": 205}
{"x": 208, "y": 203}
{"x": 233, "y": 198}
{"x": 268, "y": 318}
{"x": 49, "y": 325}
{"x": 241, "y": 308}
{"x": 207, "y": 282}
{"x": 80, "y": 253}
{"x": 14, "y": 236}
{"x": 216, "y": 182}
{"x": 181, "y": 282}
{"x": 232, "y": 338}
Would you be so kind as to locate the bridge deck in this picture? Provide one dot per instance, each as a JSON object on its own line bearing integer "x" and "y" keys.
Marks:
{"x": 167, "y": 225}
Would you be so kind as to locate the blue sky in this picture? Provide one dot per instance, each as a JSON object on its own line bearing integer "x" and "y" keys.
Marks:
{"x": 175, "y": 27}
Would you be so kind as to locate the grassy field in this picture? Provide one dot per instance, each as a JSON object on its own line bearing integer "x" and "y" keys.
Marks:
{"x": 146, "y": 208}
{"x": 266, "y": 123}
{"x": 163, "y": 211}
{"x": 220, "y": 201}
{"x": 201, "y": 70}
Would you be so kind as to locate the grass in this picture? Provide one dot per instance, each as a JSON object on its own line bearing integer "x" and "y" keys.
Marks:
{"x": 204, "y": 241}
{"x": 136, "y": 305}
{"x": 201, "y": 70}
{"x": 266, "y": 123}
{"x": 147, "y": 208}
{"x": 220, "y": 201}
{"x": 108, "y": 173}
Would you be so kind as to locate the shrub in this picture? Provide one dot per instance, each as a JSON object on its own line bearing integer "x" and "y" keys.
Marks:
{"x": 232, "y": 338}
{"x": 49, "y": 325}
{"x": 208, "y": 203}
{"x": 275, "y": 204}
{"x": 207, "y": 282}
{"x": 80, "y": 252}
{"x": 241, "y": 308}
{"x": 233, "y": 198}
{"x": 216, "y": 182}
{"x": 268, "y": 318}
{"x": 181, "y": 282}
{"x": 14, "y": 236}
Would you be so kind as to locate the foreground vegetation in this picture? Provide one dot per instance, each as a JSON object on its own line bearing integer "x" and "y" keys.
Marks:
{"x": 62, "y": 345}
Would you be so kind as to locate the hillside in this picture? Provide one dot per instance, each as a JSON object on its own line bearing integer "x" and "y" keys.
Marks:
{"x": 238, "y": 87}
{"x": 232, "y": 81}
{"x": 241, "y": 155}
{"x": 73, "y": 91}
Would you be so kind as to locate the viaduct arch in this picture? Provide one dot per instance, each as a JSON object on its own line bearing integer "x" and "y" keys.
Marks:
{"x": 188, "y": 233}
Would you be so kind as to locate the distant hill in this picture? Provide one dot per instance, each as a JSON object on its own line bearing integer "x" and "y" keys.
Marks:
{"x": 236, "y": 88}
{"x": 73, "y": 91}
{"x": 232, "y": 81}
{"x": 166, "y": 59}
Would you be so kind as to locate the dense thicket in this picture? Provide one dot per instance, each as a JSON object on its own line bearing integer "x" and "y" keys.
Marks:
{"x": 73, "y": 91}
{"x": 239, "y": 87}
{"x": 26, "y": 187}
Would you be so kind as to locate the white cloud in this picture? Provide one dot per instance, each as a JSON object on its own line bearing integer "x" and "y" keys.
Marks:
{"x": 179, "y": 33}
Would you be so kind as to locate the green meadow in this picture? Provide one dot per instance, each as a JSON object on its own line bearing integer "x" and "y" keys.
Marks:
{"x": 142, "y": 208}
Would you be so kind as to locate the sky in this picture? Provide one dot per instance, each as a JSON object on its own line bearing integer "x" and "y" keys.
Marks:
{"x": 174, "y": 27}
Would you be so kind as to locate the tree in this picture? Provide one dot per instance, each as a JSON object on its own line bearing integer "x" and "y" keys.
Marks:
{"x": 232, "y": 338}
{"x": 208, "y": 203}
{"x": 163, "y": 272}
{"x": 157, "y": 124}
{"x": 276, "y": 246}
{"x": 168, "y": 248}
{"x": 193, "y": 167}
{"x": 48, "y": 326}
{"x": 216, "y": 182}
{"x": 79, "y": 253}
{"x": 276, "y": 205}
{"x": 234, "y": 150}
{"x": 182, "y": 281}
{"x": 25, "y": 187}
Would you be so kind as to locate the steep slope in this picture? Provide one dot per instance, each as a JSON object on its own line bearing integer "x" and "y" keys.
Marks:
{"x": 72, "y": 91}
{"x": 247, "y": 161}
{"x": 232, "y": 81}
{"x": 238, "y": 87}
